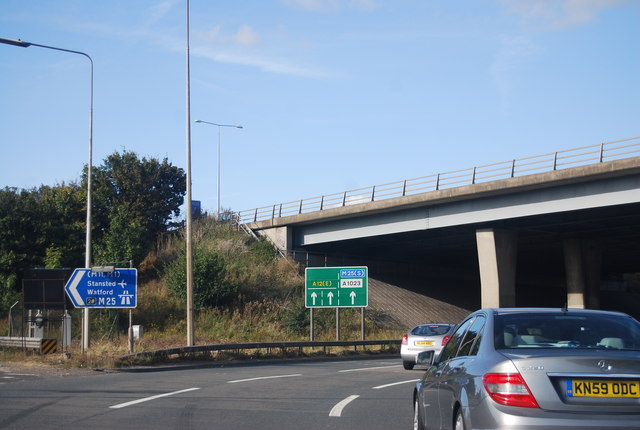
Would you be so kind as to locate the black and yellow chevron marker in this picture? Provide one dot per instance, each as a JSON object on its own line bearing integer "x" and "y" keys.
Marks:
{"x": 48, "y": 346}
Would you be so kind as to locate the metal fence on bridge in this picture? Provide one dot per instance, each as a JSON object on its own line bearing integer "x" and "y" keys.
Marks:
{"x": 582, "y": 156}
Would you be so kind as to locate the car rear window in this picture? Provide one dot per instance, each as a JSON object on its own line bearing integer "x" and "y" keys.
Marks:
{"x": 431, "y": 330}
{"x": 566, "y": 330}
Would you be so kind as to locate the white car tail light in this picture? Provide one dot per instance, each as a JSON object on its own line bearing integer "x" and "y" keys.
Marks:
{"x": 509, "y": 389}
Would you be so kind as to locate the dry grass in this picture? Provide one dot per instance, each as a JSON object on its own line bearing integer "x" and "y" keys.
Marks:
{"x": 254, "y": 323}
{"x": 268, "y": 308}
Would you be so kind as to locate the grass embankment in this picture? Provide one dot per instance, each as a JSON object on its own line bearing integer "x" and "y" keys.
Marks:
{"x": 243, "y": 292}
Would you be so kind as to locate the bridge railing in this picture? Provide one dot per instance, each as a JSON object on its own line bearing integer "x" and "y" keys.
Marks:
{"x": 581, "y": 156}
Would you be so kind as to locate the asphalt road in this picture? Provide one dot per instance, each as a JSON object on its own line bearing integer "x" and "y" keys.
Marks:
{"x": 365, "y": 394}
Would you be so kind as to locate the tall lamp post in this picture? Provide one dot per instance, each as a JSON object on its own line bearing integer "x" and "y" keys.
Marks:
{"x": 219, "y": 127}
{"x": 87, "y": 258}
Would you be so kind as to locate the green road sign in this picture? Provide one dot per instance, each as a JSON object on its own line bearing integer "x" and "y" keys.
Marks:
{"x": 336, "y": 287}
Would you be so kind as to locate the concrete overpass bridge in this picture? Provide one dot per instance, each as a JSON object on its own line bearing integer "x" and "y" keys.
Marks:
{"x": 549, "y": 230}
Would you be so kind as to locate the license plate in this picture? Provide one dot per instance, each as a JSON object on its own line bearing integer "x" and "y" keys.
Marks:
{"x": 425, "y": 342}
{"x": 591, "y": 388}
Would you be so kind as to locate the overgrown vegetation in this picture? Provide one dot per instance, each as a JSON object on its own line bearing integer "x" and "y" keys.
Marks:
{"x": 134, "y": 200}
{"x": 243, "y": 292}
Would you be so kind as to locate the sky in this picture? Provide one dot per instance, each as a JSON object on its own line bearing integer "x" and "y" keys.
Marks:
{"x": 332, "y": 95}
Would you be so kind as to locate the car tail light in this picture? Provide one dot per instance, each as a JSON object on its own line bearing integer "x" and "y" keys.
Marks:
{"x": 446, "y": 339}
{"x": 405, "y": 339}
{"x": 509, "y": 389}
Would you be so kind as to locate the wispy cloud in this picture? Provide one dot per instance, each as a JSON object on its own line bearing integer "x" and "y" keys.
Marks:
{"x": 243, "y": 45}
{"x": 332, "y": 5}
{"x": 159, "y": 10}
{"x": 247, "y": 47}
{"x": 512, "y": 57}
{"x": 263, "y": 62}
{"x": 245, "y": 35}
{"x": 558, "y": 14}
{"x": 314, "y": 5}
{"x": 516, "y": 52}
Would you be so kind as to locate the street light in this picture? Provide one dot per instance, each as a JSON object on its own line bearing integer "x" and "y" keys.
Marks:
{"x": 219, "y": 127}
{"x": 188, "y": 220}
{"x": 87, "y": 258}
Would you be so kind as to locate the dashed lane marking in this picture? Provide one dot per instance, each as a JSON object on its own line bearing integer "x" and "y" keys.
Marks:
{"x": 336, "y": 411}
{"x": 146, "y": 399}
{"x": 263, "y": 377}
{"x": 360, "y": 369}
{"x": 395, "y": 383}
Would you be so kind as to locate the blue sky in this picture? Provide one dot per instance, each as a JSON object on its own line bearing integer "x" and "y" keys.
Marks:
{"x": 332, "y": 94}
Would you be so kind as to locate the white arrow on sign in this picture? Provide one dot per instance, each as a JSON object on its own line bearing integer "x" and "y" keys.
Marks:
{"x": 330, "y": 295}
{"x": 313, "y": 298}
{"x": 353, "y": 297}
{"x": 73, "y": 287}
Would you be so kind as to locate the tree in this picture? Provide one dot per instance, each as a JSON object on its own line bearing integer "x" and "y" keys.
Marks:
{"x": 16, "y": 237}
{"x": 210, "y": 287}
{"x": 62, "y": 221}
{"x": 20, "y": 237}
{"x": 134, "y": 200}
{"x": 125, "y": 239}
{"x": 39, "y": 227}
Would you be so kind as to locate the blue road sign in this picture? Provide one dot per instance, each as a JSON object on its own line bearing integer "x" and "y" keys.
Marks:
{"x": 89, "y": 289}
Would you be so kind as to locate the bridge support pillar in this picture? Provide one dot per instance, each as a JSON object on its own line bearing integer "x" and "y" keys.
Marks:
{"x": 592, "y": 254}
{"x": 281, "y": 237}
{"x": 497, "y": 252}
{"x": 575, "y": 273}
{"x": 582, "y": 261}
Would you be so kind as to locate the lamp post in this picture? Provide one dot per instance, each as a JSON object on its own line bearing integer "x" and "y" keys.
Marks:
{"x": 188, "y": 220}
{"x": 219, "y": 127}
{"x": 87, "y": 260}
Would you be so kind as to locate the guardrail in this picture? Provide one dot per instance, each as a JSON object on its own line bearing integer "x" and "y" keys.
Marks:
{"x": 256, "y": 346}
{"x": 582, "y": 156}
{"x": 20, "y": 342}
{"x": 43, "y": 345}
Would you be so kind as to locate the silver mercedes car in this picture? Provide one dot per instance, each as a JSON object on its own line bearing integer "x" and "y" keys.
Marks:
{"x": 532, "y": 369}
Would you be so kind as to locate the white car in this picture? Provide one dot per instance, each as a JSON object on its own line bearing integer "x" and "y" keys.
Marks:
{"x": 425, "y": 337}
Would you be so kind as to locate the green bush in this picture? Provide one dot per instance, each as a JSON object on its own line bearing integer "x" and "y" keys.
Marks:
{"x": 210, "y": 288}
{"x": 295, "y": 318}
{"x": 8, "y": 293}
{"x": 158, "y": 309}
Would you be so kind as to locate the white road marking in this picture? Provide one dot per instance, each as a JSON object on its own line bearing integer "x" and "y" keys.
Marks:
{"x": 395, "y": 383}
{"x": 146, "y": 399}
{"x": 264, "y": 377}
{"x": 368, "y": 368}
{"x": 336, "y": 411}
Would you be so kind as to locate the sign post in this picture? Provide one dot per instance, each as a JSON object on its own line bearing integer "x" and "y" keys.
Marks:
{"x": 336, "y": 287}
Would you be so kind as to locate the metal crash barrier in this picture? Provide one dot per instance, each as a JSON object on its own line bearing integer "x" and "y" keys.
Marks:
{"x": 42, "y": 345}
{"x": 256, "y": 346}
